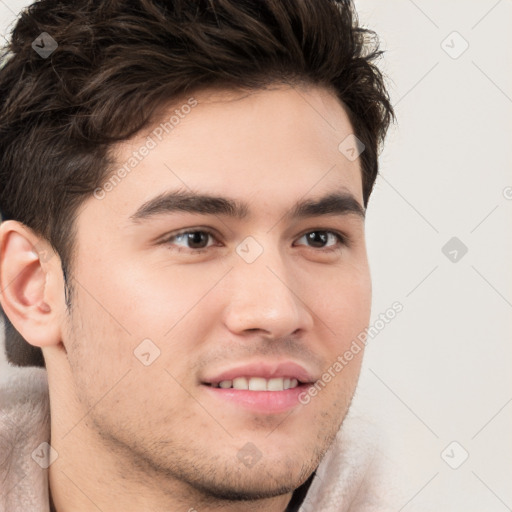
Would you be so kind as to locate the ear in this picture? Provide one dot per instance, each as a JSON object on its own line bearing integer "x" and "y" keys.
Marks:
{"x": 30, "y": 277}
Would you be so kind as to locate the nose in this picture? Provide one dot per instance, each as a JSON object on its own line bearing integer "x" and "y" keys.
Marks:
{"x": 265, "y": 296}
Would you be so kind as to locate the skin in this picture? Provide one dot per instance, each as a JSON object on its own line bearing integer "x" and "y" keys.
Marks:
{"x": 134, "y": 437}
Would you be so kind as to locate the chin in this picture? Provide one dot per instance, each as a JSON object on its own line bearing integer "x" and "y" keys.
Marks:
{"x": 272, "y": 474}
{"x": 250, "y": 484}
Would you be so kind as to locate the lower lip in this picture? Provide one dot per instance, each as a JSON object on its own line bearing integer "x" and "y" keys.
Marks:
{"x": 266, "y": 402}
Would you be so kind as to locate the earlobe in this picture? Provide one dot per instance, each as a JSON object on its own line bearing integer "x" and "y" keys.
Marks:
{"x": 24, "y": 296}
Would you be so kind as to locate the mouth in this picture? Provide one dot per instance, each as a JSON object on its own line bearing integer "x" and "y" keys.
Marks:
{"x": 258, "y": 384}
{"x": 261, "y": 388}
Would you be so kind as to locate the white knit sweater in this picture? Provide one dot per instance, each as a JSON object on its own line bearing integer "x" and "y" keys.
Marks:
{"x": 349, "y": 478}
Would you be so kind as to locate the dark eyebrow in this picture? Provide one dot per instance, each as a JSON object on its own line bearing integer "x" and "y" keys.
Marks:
{"x": 336, "y": 203}
{"x": 191, "y": 202}
{"x": 340, "y": 203}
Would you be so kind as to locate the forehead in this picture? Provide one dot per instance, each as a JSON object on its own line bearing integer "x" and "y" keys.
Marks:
{"x": 270, "y": 146}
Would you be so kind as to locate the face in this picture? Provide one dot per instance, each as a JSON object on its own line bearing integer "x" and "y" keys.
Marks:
{"x": 176, "y": 301}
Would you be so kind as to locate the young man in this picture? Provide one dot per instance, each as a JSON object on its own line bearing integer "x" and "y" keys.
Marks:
{"x": 183, "y": 188}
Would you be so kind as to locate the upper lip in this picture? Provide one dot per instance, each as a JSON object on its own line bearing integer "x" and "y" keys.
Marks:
{"x": 264, "y": 369}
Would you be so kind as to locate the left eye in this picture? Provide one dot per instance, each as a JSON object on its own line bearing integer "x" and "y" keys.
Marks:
{"x": 322, "y": 237}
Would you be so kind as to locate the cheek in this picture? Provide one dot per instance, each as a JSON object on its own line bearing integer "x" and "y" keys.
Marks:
{"x": 109, "y": 366}
{"x": 343, "y": 306}
{"x": 148, "y": 300}
{"x": 165, "y": 314}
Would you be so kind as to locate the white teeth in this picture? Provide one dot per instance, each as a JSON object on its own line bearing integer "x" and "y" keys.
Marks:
{"x": 275, "y": 384}
{"x": 240, "y": 383}
{"x": 258, "y": 384}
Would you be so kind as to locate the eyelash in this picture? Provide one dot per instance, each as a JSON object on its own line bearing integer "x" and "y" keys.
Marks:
{"x": 342, "y": 240}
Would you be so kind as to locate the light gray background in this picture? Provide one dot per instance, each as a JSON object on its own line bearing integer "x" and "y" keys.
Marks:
{"x": 441, "y": 370}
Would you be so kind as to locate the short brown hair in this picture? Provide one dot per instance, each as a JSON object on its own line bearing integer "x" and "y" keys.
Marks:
{"x": 118, "y": 61}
